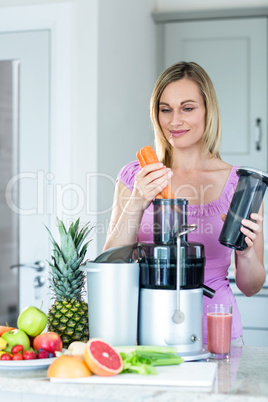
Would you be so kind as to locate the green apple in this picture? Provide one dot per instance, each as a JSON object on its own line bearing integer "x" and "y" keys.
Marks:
{"x": 16, "y": 337}
{"x": 32, "y": 320}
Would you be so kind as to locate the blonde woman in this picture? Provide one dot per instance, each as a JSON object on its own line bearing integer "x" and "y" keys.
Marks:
{"x": 187, "y": 126}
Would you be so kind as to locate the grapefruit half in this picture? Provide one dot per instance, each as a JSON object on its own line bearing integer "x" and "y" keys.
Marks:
{"x": 102, "y": 359}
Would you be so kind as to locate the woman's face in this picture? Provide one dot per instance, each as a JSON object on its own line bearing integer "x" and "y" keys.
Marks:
{"x": 182, "y": 113}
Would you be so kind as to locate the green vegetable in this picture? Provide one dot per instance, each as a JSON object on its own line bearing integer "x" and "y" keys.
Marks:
{"x": 133, "y": 363}
{"x": 142, "y": 359}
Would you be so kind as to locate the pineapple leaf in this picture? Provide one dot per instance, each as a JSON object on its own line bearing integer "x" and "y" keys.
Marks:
{"x": 53, "y": 241}
{"x": 84, "y": 249}
{"x": 81, "y": 236}
{"x": 62, "y": 228}
{"x": 68, "y": 248}
{"x": 74, "y": 229}
{"x": 58, "y": 261}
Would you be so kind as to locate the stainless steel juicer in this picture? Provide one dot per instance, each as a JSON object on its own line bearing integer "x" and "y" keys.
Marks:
{"x": 159, "y": 281}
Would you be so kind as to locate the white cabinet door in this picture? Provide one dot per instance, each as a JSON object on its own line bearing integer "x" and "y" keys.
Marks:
{"x": 254, "y": 318}
{"x": 234, "y": 53}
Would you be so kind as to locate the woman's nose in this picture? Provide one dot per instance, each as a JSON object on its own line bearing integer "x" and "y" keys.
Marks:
{"x": 176, "y": 120}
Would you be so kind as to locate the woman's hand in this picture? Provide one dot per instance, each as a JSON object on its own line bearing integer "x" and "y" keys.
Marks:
{"x": 249, "y": 269}
{"x": 149, "y": 182}
{"x": 250, "y": 229}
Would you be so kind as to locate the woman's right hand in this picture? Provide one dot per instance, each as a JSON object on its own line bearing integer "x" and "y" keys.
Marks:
{"x": 149, "y": 182}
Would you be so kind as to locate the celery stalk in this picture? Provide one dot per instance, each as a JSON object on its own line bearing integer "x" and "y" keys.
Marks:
{"x": 144, "y": 348}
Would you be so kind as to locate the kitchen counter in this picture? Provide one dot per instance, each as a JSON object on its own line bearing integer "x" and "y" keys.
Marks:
{"x": 244, "y": 377}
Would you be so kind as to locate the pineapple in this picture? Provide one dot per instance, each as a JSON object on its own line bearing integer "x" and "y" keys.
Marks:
{"x": 68, "y": 316}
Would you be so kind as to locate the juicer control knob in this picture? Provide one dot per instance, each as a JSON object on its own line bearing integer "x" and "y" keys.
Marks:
{"x": 194, "y": 338}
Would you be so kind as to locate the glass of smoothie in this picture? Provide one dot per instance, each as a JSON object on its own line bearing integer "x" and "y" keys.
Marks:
{"x": 219, "y": 328}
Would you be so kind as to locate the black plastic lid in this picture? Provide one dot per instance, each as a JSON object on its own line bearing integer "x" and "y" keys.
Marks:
{"x": 248, "y": 171}
{"x": 170, "y": 201}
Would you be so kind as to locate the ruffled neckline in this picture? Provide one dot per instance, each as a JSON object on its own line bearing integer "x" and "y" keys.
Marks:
{"x": 219, "y": 205}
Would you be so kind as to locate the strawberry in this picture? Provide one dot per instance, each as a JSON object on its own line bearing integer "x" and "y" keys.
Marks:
{"x": 6, "y": 356}
{"x": 17, "y": 356}
{"x": 42, "y": 354}
{"x": 17, "y": 349}
{"x": 29, "y": 355}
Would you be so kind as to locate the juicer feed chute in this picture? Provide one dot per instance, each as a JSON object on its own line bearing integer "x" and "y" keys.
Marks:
{"x": 170, "y": 216}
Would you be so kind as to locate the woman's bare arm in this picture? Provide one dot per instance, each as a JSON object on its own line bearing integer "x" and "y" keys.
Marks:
{"x": 128, "y": 207}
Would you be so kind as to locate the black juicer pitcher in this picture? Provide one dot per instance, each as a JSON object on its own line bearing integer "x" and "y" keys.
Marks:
{"x": 246, "y": 200}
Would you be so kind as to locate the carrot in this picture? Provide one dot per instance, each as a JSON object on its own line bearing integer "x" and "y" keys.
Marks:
{"x": 147, "y": 156}
{"x": 5, "y": 328}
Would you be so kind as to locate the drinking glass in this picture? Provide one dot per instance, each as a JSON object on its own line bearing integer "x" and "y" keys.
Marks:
{"x": 219, "y": 327}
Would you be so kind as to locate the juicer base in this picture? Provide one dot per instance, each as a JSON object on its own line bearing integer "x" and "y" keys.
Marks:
{"x": 156, "y": 327}
{"x": 190, "y": 357}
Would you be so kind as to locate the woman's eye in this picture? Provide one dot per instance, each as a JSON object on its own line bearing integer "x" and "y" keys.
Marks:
{"x": 165, "y": 110}
{"x": 188, "y": 109}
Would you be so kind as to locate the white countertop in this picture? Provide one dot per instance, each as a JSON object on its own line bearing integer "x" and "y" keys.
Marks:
{"x": 243, "y": 378}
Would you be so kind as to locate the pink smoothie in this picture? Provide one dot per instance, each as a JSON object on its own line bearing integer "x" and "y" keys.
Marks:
{"x": 219, "y": 332}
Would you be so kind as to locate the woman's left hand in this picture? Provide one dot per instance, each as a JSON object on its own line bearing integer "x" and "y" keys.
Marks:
{"x": 249, "y": 228}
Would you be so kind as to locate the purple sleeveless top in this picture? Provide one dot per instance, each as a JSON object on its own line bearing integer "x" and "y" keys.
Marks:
{"x": 209, "y": 225}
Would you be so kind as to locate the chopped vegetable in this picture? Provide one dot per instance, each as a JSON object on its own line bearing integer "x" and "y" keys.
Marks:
{"x": 143, "y": 359}
{"x": 134, "y": 363}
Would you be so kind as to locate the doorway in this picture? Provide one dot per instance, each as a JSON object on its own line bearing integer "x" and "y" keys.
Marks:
{"x": 41, "y": 48}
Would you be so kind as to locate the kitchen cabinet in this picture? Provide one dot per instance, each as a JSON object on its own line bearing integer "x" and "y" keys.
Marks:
{"x": 234, "y": 53}
{"x": 254, "y": 318}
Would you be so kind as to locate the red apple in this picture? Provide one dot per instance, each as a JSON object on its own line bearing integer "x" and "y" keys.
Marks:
{"x": 49, "y": 341}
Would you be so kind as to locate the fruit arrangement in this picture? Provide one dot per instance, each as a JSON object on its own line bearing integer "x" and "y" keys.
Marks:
{"x": 68, "y": 316}
{"x": 82, "y": 359}
{"x": 27, "y": 342}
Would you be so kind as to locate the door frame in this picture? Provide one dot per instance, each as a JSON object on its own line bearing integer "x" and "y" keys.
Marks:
{"x": 57, "y": 19}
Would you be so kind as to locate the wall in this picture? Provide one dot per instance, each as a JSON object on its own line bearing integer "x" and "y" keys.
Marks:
{"x": 127, "y": 71}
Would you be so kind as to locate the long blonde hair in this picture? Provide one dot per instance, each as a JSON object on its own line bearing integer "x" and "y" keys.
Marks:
{"x": 212, "y": 134}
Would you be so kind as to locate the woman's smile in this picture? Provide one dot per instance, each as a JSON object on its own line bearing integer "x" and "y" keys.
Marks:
{"x": 178, "y": 133}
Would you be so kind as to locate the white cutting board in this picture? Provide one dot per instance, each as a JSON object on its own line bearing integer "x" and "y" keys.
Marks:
{"x": 187, "y": 374}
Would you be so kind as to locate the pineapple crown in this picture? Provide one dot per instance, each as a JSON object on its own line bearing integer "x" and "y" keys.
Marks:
{"x": 66, "y": 280}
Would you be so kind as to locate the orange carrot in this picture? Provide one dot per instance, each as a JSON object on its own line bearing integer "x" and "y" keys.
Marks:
{"x": 147, "y": 156}
{"x": 5, "y": 328}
